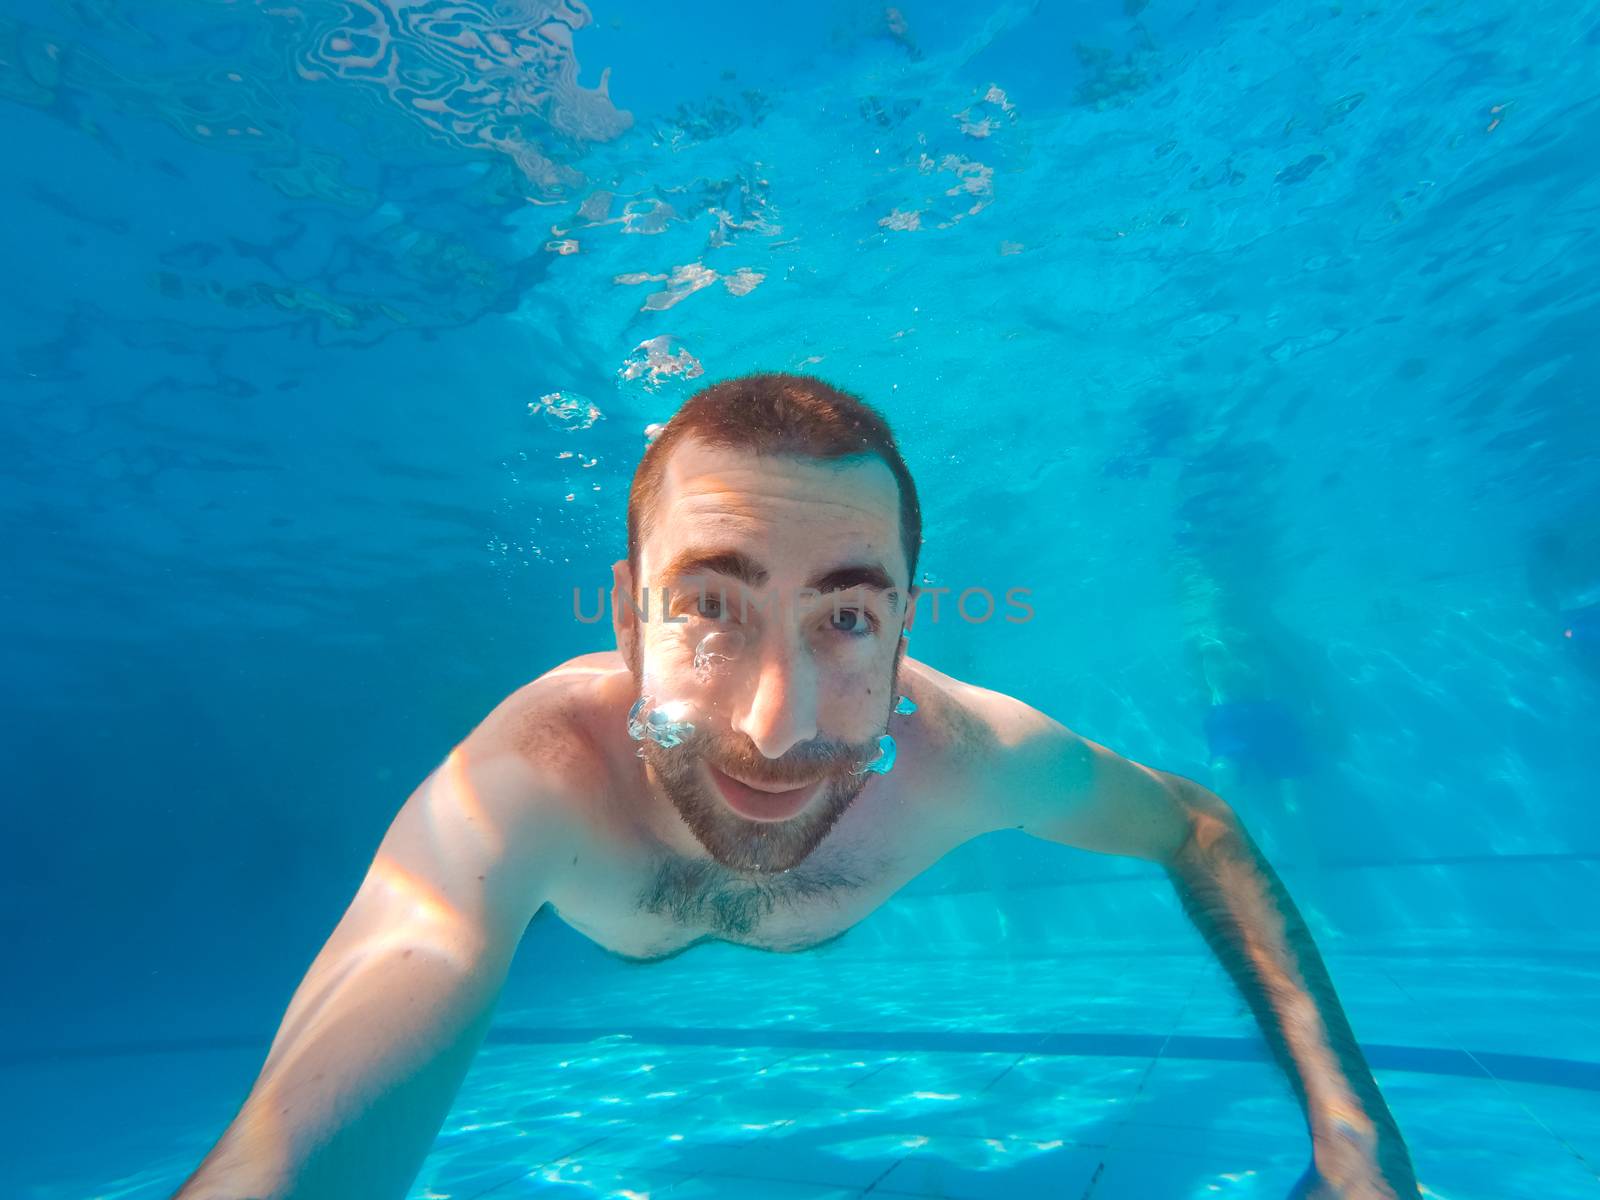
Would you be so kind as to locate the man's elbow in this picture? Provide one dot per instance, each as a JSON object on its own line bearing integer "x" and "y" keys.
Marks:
{"x": 1204, "y": 819}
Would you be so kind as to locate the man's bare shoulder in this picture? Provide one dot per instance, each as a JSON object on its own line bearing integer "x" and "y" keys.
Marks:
{"x": 1022, "y": 769}
{"x": 545, "y": 759}
{"x": 510, "y": 801}
{"x": 979, "y": 743}
{"x": 963, "y": 722}
{"x": 980, "y": 719}
{"x": 560, "y": 724}
{"x": 951, "y": 741}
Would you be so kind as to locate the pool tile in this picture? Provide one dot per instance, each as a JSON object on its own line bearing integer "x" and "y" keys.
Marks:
{"x": 749, "y": 1187}
{"x": 1472, "y": 1173}
{"x": 1228, "y": 1097}
{"x": 588, "y": 1184}
{"x": 1570, "y": 1114}
{"x": 1204, "y": 1142}
{"x": 964, "y": 1168}
{"x": 1143, "y": 1175}
{"x": 820, "y": 1159}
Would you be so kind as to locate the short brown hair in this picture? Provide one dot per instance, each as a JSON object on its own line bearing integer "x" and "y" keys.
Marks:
{"x": 777, "y": 414}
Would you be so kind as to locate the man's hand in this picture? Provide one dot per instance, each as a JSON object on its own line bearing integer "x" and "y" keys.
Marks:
{"x": 1357, "y": 1163}
{"x": 1369, "y": 1185}
{"x": 1364, "y": 1181}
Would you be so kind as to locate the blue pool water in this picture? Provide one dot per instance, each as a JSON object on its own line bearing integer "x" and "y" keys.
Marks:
{"x": 1257, "y": 340}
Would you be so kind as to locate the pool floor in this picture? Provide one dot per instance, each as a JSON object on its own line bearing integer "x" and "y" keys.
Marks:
{"x": 1123, "y": 1077}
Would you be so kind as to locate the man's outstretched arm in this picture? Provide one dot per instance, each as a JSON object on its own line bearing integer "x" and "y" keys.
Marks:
{"x": 1057, "y": 785}
{"x": 1245, "y": 914}
{"x": 382, "y": 1029}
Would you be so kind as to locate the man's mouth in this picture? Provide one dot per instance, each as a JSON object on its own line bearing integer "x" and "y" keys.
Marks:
{"x": 762, "y": 801}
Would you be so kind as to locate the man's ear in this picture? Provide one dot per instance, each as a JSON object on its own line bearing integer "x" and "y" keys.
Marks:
{"x": 914, "y": 593}
{"x": 624, "y": 616}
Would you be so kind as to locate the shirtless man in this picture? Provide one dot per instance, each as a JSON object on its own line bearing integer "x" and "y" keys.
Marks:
{"x": 721, "y": 775}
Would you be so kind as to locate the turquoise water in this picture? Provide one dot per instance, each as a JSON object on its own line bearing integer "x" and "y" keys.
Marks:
{"x": 1256, "y": 340}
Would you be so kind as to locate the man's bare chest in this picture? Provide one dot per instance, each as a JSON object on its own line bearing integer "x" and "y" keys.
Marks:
{"x": 645, "y": 906}
{"x": 624, "y": 892}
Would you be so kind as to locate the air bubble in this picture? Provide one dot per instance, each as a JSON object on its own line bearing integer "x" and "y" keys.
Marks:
{"x": 664, "y": 724}
{"x": 566, "y": 410}
{"x": 721, "y": 646}
{"x": 882, "y": 762}
{"x": 658, "y": 361}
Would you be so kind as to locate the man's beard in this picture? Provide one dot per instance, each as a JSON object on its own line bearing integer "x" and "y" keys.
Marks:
{"x": 759, "y": 847}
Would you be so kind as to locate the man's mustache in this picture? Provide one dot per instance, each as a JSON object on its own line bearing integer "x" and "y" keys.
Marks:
{"x": 800, "y": 765}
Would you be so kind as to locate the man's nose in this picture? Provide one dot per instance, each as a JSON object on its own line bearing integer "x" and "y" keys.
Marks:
{"x": 781, "y": 711}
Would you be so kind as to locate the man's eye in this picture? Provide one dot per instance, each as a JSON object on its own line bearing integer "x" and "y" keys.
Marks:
{"x": 710, "y": 607}
{"x": 852, "y": 621}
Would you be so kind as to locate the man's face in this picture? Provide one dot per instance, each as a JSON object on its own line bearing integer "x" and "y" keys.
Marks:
{"x": 780, "y": 643}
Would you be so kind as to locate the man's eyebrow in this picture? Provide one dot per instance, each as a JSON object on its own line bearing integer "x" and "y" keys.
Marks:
{"x": 734, "y": 563}
{"x": 838, "y": 579}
